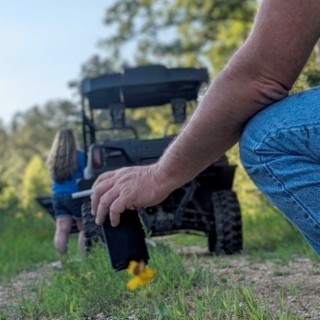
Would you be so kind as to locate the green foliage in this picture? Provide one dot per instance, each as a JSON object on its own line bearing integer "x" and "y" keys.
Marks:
{"x": 310, "y": 75}
{"x": 35, "y": 182}
{"x": 230, "y": 35}
{"x": 9, "y": 199}
{"x": 154, "y": 122}
{"x": 8, "y": 195}
{"x": 4, "y": 137}
{"x": 250, "y": 198}
{"x": 31, "y": 133}
{"x": 175, "y": 32}
{"x": 24, "y": 242}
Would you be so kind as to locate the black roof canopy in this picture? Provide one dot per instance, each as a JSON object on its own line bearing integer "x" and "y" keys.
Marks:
{"x": 144, "y": 86}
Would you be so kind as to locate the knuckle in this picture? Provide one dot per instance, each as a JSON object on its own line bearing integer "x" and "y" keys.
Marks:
{"x": 126, "y": 192}
{"x": 104, "y": 203}
{"x": 96, "y": 193}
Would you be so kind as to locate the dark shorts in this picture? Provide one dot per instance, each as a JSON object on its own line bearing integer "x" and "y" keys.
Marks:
{"x": 64, "y": 206}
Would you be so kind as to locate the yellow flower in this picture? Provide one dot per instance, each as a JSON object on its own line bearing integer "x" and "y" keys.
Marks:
{"x": 141, "y": 273}
{"x": 134, "y": 267}
{"x": 133, "y": 283}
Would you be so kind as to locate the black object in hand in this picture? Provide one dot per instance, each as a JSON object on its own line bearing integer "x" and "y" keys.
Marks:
{"x": 126, "y": 242}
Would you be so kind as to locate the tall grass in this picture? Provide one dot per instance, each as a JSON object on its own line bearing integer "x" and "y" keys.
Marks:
{"x": 25, "y": 241}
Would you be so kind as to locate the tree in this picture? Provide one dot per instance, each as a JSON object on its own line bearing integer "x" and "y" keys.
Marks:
{"x": 175, "y": 32}
{"x": 32, "y": 132}
{"x": 171, "y": 32}
{"x": 35, "y": 181}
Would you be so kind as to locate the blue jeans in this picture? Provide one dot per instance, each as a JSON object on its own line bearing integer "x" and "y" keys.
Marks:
{"x": 64, "y": 206}
{"x": 280, "y": 150}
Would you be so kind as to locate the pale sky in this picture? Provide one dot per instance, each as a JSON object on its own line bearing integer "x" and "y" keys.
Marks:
{"x": 42, "y": 46}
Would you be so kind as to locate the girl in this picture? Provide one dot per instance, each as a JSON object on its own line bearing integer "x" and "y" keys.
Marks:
{"x": 66, "y": 164}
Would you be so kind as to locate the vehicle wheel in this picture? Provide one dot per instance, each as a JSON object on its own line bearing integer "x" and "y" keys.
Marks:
{"x": 92, "y": 232}
{"x": 226, "y": 234}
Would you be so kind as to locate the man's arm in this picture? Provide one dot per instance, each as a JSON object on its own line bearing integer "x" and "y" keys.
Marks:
{"x": 261, "y": 72}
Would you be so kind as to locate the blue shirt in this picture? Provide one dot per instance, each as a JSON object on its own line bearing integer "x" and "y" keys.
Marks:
{"x": 70, "y": 186}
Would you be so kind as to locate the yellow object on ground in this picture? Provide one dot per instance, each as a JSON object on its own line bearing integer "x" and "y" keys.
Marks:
{"x": 141, "y": 274}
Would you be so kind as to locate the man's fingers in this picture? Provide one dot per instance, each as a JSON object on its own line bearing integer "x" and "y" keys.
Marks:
{"x": 116, "y": 191}
{"x": 98, "y": 192}
{"x": 116, "y": 208}
{"x": 103, "y": 177}
{"x": 104, "y": 205}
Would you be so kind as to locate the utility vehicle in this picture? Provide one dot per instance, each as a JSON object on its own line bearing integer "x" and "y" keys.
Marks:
{"x": 207, "y": 205}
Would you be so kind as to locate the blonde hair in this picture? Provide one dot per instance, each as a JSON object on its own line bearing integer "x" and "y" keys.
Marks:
{"x": 62, "y": 159}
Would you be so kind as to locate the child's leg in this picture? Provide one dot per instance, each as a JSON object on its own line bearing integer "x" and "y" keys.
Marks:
{"x": 63, "y": 228}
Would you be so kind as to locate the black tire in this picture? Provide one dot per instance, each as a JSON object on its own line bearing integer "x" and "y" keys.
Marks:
{"x": 226, "y": 234}
{"x": 92, "y": 232}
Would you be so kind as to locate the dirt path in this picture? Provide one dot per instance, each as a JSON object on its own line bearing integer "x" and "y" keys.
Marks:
{"x": 22, "y": 286}
{"x": 298, "y": 282}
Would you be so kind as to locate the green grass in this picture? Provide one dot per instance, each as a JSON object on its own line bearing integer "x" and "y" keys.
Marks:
{"x": 268, "y": 235}
{"x": 24, "y": 243}
{"x": 182, "y": 289}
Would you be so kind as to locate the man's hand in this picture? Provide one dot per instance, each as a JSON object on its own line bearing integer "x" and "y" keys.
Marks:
{"x": 127, "y": 188}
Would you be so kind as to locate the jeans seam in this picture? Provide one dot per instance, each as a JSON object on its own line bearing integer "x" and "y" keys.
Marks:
{"x": 275, "y": 178}
{"x": 275, "y": 133}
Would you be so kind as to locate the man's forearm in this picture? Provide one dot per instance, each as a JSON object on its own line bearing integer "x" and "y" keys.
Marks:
{"x": 215, "y": 126}
{"x": 260, "y": 73}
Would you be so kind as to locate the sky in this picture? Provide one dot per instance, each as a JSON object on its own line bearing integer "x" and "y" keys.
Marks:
{"x": 42, "y": 47}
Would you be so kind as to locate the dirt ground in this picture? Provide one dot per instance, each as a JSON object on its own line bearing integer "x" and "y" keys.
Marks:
{"x": 298, "y": 282}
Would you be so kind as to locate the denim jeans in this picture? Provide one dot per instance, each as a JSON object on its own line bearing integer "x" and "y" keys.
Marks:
{"x": 280, "y": 150}
{"x": 64, "y": 206}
